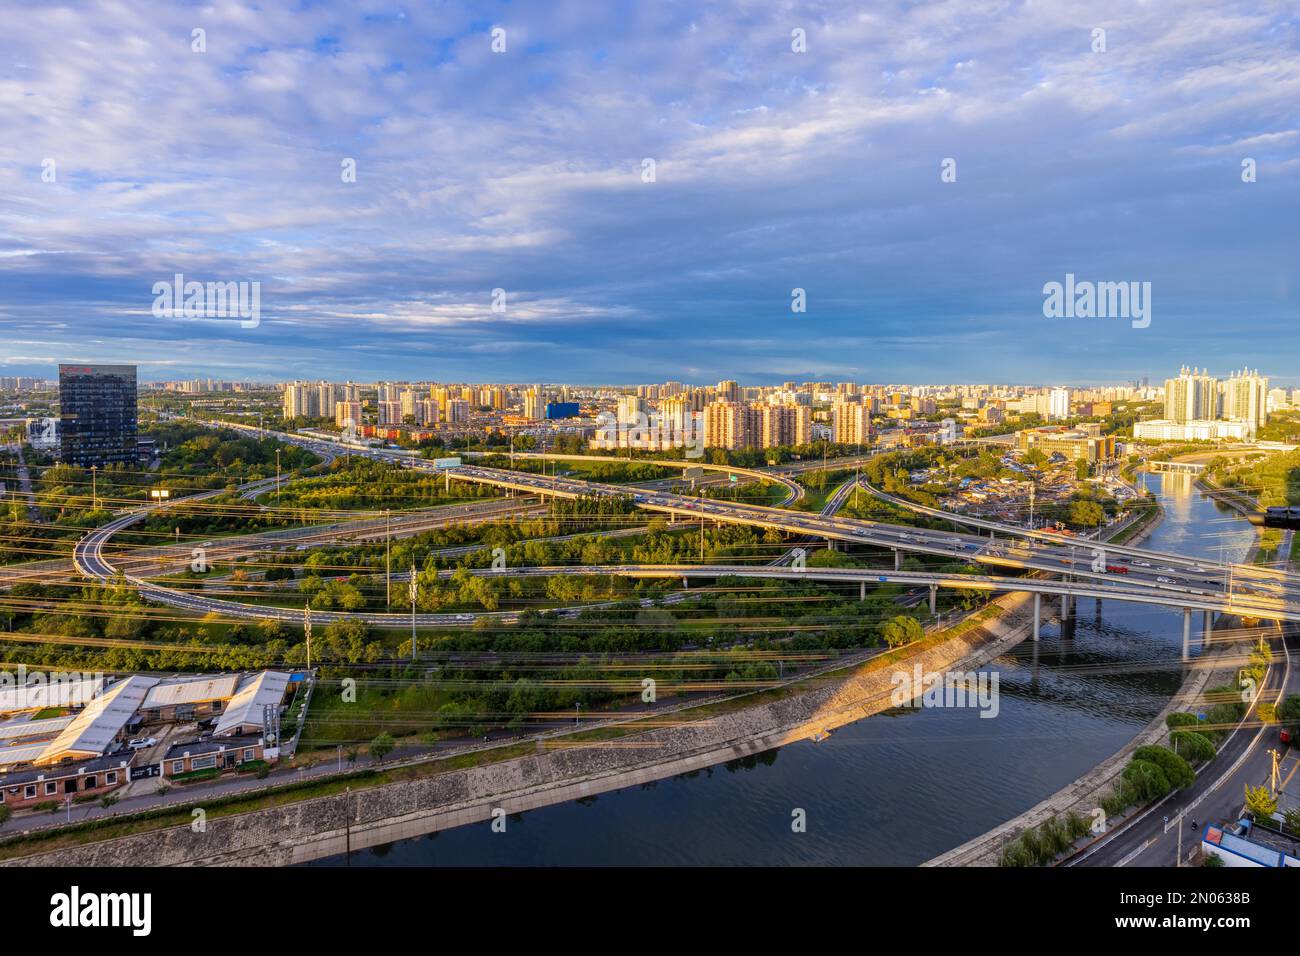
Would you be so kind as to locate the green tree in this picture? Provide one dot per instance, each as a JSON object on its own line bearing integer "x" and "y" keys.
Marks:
{"x": 1085, "y": 513}
{"x": 1260, "y": 802}
{"x": 382, "y": 746}
{"x": 902, "y": 630}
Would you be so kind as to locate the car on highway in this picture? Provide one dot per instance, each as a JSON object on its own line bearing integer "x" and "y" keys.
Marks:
{"x": 1164, "y": 580}
{"x": 1116, "y": 569}
{"x": 1142, "y": 564}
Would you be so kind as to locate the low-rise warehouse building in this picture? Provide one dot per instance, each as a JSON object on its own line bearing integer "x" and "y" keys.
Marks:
{"x": 23, "y": 789}
{"x": 259, "y": 696}
{"x": 214, "y": 753}
{"x": 98, "y": 727}
{"x": 188, "y": 698}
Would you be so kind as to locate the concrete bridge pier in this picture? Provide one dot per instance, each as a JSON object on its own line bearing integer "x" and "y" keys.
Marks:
{"x": 832, "y": 544}
{"x": 686, "y": 582}
{"x": 862, "y": 590}
{"x": 1207, "y": 630}
{"x": 1065, "y": 608}
{"x": 1187, "y": 634}
{"x": 1038, "y": 613}
{"x": 934, "y": 598}
{"x": 898, "y": 560}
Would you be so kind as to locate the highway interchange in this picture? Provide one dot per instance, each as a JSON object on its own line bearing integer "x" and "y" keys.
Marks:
{"x": 1073, "y": 566}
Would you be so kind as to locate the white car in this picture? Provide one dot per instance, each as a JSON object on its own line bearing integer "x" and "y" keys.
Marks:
{"x": 1142, "y": 564}
{"x": 1164, "y": 580}
{"x": 141, "y": 743}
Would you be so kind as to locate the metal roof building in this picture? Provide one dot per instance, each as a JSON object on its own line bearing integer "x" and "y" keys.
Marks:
{"x": 190, "y": 690}
{"x": 20, "y": 729}
{"x": 246, "y": 710}
{"x": 93, "y": 731}
{"x": 21, "y": 754}
{"x": 52, "y": 692}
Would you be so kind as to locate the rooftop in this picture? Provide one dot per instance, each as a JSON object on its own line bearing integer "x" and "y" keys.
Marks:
{"x": 248, "y": 705}
{"x": 93, "y": 730}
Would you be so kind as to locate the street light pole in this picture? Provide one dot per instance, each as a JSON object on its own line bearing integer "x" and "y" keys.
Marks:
{"x": 388, "y": 561}
{"x": 94, "y": 488}
{"x": 414, "y": 591}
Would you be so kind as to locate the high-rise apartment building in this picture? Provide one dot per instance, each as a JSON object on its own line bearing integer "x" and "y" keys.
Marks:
{"x": 535, "y": 403}
{"x": 726, "y": 425}
{"x": 97, "y": 414}
{"x": 850, "y": 423}
{"x": 428, "y": 412}
{"x": 1058, "y": 404}
{"x": 457, "y": 411}
{"x": 784, "y": 426}
{"x": 1245, "y": 399}
{"x": 325, "y": 398}
{"x": 629, "y": 408}
{"x": 1190, "y": 397}
{"x": 299, "y": 400}
{"x": 347, "y": 415}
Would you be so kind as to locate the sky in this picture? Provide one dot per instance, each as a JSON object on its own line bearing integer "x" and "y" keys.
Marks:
{"x": 133, "y": 149}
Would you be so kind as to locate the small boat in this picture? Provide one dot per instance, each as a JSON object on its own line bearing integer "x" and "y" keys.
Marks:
{"x": 821, "y": 735}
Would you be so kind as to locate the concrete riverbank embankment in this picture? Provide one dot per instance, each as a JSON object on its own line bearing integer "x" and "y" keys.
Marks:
{"x": 327, "y": 826}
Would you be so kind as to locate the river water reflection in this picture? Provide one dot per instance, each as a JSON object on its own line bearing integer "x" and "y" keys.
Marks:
{"x": 887, "y": 790}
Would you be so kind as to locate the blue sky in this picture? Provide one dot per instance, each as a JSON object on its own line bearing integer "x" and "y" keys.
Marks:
{"x": 774, "y": 170}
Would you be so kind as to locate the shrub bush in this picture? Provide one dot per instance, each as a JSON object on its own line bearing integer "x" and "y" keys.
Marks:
{"x": 1192, "y": 746}
{"x": 1177, "y": 771}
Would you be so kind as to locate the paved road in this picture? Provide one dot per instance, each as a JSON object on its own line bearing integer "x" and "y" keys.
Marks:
{"x": 1217, "y": 796}
{"x": 1135, "y": 574}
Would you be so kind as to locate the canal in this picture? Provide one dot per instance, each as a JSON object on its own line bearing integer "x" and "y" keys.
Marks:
{"x": 888, "y": 790}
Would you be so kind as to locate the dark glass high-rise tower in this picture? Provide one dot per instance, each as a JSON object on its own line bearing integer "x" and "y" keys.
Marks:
{"x": 97, "y": 414}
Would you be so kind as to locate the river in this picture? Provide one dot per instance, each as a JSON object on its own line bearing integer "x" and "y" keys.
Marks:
{"x": 888, "y": 790}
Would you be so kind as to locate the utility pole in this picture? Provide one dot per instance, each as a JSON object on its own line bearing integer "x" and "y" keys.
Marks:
{"x": 388, "y": 561}
{"x": 1032, "y": 487}
{"x": 1275, "y": 774}
{"x": 277, "y": 477}
{"x": 414, "y": 591}
{"x": 94, "y": 488}
{"x": 306, "y": 630}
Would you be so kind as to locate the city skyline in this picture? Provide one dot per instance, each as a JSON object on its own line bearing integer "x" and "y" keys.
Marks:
{"x": 774, "y": 171}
